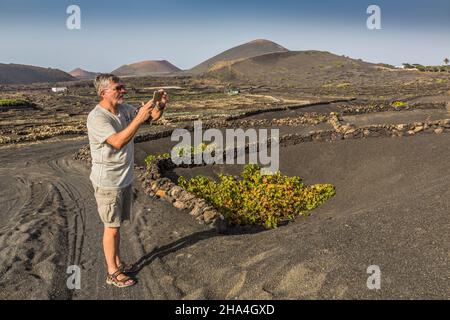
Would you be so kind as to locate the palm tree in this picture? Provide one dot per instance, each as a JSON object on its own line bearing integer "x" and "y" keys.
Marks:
{"x": 446, "y": 61}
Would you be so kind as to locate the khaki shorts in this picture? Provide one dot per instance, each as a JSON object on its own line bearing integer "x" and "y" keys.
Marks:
{"x": 114, "y": 206}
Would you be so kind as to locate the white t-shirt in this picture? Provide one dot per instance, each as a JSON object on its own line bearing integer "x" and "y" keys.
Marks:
{"x": 111, "y": 168}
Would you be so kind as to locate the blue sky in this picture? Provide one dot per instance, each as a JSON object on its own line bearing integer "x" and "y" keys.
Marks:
{"x": 187, "y": 32}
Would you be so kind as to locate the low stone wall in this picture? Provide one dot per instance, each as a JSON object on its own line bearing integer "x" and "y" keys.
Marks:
{"x": 311, "y": 118}
{"x": 155, "y": 184}
{"x": 363, "y": 109}
{"x": 42, "y": 133}
{"x": 348, "y": 131}
{"x": 83, "y": 154}
{"x": 284, "y": 108}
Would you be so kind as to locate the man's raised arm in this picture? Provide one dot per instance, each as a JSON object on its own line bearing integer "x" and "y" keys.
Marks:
{"x": 119, "y": 139}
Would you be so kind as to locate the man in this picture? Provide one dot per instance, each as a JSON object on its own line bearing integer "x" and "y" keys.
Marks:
{"x": 112, "y": 126}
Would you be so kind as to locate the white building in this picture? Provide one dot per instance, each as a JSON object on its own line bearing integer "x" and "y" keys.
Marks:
{"x": 59, "y": 89}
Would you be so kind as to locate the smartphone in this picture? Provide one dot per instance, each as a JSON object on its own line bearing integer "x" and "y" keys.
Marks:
{"x": 157, "y": 96}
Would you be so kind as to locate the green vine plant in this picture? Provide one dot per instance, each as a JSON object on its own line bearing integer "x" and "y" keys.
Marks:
{"x": 188, "y": 150}
{"x": 14, "y": 102}
{"x": 256, "y": 199}
{"x": 182, "y": 151}
{"x": 399, "y": 104}
{"x": 152, "y": 157}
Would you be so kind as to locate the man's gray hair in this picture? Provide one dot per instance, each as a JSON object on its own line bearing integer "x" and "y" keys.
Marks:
{"x": 102, "y": 81}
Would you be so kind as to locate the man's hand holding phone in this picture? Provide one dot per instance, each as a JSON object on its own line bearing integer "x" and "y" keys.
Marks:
{"x": 160, "y": 101}
{"x": 153, "y": 109}
{"x": 144, "y": 112}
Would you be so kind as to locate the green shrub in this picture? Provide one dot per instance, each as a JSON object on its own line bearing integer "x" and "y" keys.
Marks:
{"x": 321, "y": 118}
{"x": 191, "y": 150}
{"x": 152, "y": 157}
{"x": 421, "y": 68}
{"x": 398, "y": 104}
{"x": 258, "y": 199}
{"x": 385, "y": 65}
{"x": 343, "y": 85}
{"x": 14, "y": 102}
{"x": 408, "y": 66}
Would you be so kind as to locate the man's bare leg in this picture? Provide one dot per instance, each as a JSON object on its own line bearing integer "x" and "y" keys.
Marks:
{"x": 110, "y": 240}
{"x": 118, "y": 260}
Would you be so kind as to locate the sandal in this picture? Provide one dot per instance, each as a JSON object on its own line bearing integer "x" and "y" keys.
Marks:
{"x": 123, "y": 283}
{"x": 128, "y": 268}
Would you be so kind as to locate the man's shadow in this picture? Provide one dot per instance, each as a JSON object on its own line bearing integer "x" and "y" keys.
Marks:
{"x": 160, "y": 252}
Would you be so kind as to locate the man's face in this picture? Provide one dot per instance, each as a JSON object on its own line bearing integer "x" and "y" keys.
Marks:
{"x": 114, "y": 93}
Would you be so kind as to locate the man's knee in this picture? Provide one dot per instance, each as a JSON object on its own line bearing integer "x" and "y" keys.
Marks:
{"x": 112, "y": 231}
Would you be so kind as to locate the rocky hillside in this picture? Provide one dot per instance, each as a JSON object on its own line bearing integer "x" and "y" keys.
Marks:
{"x": 146, "y": 68}
{"x": 244, "y": 51}
{"x": 83, "y": 74}
{"x": 25, "y": 74}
